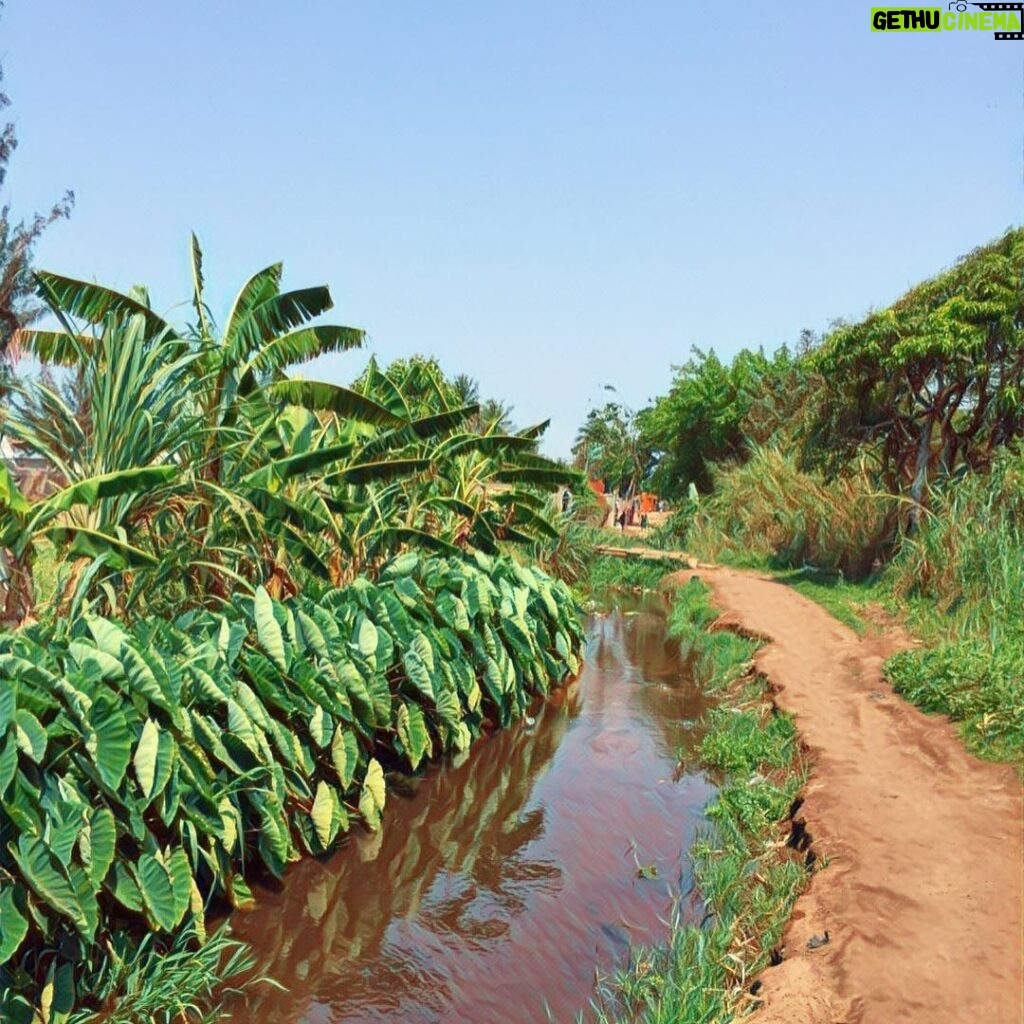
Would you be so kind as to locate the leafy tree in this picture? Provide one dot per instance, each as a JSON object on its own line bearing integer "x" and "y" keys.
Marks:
{"x": 610, "y": 447}
{"x": 935, "y": 382}
{"x": 700, "y": 421}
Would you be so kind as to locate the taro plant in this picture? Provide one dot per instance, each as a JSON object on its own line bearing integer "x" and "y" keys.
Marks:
{"x": 145, "y": 771}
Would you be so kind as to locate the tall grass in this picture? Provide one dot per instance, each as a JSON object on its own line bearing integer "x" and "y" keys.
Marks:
{"x": 769, "y": 509}
{"x": 966, "y": 563}
{"x": 958, "y": 579}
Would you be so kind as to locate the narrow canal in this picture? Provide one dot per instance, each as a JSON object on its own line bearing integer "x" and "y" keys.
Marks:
{"x": 499, "y": 884}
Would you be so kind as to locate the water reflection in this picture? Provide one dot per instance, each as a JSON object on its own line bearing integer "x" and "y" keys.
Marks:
{"x": 500, "y": 883}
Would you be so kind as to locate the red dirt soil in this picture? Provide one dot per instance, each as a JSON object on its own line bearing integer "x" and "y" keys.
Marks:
{"x": 922, "y": 894}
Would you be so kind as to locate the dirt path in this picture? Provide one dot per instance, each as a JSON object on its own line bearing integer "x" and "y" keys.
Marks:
{"x": 922, "y": 896}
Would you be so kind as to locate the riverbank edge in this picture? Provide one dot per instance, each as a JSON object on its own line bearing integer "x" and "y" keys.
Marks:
{"x": 756, "y": 858}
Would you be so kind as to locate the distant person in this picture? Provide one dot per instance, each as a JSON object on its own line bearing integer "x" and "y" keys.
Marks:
{"x": 566, "y": 500}
{"x": 643, "y": 523}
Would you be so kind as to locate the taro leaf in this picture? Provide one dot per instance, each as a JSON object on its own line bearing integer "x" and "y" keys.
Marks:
{"x": 494, "y": 680}
{"x": 8, "y": 762}
{"x": 97, "y": 844}
{"x": 274, "y": 840}
{"x": 30, "y": 734}
{"x": 126, "y": 888}
{"x": 146, "y": 757}
{"x": 371, "y": 799}
{"x": 358, "y": 694}
{"x": 8, "y": 702}
{"x": 15, "y": 927}
{"x": 463, "y": 737}
{"x": 320, "y": 726}
{"x": 268, "y": 629}
{"x": 367, "y": 641}
{"x": 140, "y": 678}
{"x": 422, "y": 646}
{"x": 157, "y": 892}
{"x": 228, "y": 824}
{"x": 109, "y": 742}
{"x": 198, "y": 909}
{"x": 239, "y": 894}
{"x": 448, "y": 708}
{"x": 562, "y": 645}
{"x": 409, "y": 593}
{"x": 418, "y": 673}
{"x": 49, "y": 884}
{"x": 344, "y": 754}
{"x": 181, "y": 881}
{"x": 240, "y": 725}
{"x": 400, "y": 566}
{"x": 315, "y": 639}
{"x": 380, "y": 692}
{"x": 166, "y": 758}
{"x": 412, "y": 731}
{"x": 324, "y": 814}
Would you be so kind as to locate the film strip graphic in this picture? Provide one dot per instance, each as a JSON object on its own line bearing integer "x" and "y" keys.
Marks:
{"x": 1018, "y": 7}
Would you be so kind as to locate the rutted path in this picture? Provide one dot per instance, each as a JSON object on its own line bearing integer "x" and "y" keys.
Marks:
{"x": 922, "y": 897}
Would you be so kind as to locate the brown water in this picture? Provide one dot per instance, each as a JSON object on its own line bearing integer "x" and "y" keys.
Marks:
{"x": 498, "y": 884}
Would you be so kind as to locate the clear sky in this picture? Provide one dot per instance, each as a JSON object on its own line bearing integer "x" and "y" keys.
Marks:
{"x": 549, "y": 196}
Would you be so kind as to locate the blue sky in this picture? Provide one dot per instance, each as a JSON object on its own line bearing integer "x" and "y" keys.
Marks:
{"x": 547, "y": 196}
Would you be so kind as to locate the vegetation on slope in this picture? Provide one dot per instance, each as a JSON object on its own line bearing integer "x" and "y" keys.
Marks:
{"x": 269, "y": 592}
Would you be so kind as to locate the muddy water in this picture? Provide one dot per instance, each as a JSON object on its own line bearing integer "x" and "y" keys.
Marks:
{"x": 497, "y": 885}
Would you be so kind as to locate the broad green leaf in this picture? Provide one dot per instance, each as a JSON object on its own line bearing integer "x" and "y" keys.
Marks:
{"x": 344, "y": 755}
{"x": 228, "y": 824}
{"x": 448, "y": 708}
{"x": 367, "y": 641}
{"x": 15, "y": 927}
{"x": 109, "y": 742}
{"x": 418, "y": 673}
{"x": 411, "y": 726}
{"x": 157, "y": 892}
{"x": 8, "y": 702}
{"x": 181, "y": 880}
{"x": 30, "y": 734}
{"x": 146, "y": 756}
{"x": 8, "y": 762}
{"x": 324, "y": 814}
{"x": 126, "y": 888}
{"x": 371, "y": 798}
{"x": 41, "y": 873}
{"x": 97, "y": 844}
{"x": 268, "y": 629}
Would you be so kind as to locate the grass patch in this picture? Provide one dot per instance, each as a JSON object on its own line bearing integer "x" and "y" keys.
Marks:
{"x": 607, "y": 573}
{"x": 747, "y": 883}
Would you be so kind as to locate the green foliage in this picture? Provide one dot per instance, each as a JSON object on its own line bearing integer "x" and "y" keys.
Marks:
{"x": 161, "y": 982}
{"x": 610, "y": 447}
{"x": 144, "y": 770}
{"x": 934, "y": 382}
{"x": 607, "y": 573}
{"x": 974, "y": 683}
{"x": 701, "y": 421}
{"x": 194, "y": 466}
